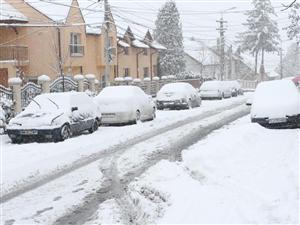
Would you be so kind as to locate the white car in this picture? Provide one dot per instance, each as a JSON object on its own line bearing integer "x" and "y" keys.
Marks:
{"x": 226, "y": 88}
{"x": 276, "y": 104}
{"x": 125, "y": 104}
{"x": 55, "y": 116}
{"x": 177, "y": 96}
{"x": 211, "y": 90}
{"x": 234, "y": 86}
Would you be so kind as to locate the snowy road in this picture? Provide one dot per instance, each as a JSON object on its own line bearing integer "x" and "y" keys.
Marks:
{"x": 73, "y": 197}
{"x": 240, "y": 174}
{"x": 27, "y": 166}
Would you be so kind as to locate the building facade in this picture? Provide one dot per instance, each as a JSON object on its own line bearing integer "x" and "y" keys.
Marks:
{"x": 34, "y": 41}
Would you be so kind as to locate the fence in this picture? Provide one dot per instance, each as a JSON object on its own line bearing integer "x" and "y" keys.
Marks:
{"x": 21, "y": 96}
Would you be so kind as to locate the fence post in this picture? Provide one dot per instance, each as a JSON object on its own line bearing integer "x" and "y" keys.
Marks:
{"x": 44, "y": 81}
{"x": 15, "y": 83}
{"x": 97, "y": 86}
{"x": 91, "y": 79}
{"x": 79, "y": 79}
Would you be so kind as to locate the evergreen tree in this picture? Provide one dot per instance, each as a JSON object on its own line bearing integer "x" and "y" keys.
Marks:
{"x": 290, "y": 62}
{"x": 168, "y": 32}
{"x": 293, "y": 30}
{"x": 262, "y": 31}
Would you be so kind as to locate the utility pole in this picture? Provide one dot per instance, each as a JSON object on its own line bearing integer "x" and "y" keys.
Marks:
{"x": 106, "y": 43}
{"x": 60, "y": 59}
{"x": 221, "y": 29}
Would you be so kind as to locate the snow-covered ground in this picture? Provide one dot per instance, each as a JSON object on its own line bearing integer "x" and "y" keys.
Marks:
{"x": 242, "y": 174}
{"x": 29, "y": 162}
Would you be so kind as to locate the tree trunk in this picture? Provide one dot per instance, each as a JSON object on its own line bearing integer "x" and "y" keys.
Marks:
{"x": 262, "y": 66}
{"x": 256, "y": 56}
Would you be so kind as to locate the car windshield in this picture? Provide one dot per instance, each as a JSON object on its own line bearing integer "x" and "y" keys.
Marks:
{"x": 174, "y": 88}
{"x": 46, "y": 103}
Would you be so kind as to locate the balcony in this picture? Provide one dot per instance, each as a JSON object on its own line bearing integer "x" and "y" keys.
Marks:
{"x": 14, "y": 53}
{"x": 76, "y": 50}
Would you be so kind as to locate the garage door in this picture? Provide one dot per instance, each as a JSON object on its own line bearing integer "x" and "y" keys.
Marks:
{"x": 4, "y": 77}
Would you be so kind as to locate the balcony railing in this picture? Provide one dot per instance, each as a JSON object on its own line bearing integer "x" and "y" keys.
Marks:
{"x": 76, "y": 50}
{"x": 13, "y": 53}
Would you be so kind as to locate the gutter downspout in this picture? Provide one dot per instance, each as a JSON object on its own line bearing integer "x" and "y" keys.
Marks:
{"x": 151, "y": 62}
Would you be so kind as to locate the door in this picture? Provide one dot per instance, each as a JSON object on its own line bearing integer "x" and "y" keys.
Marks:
{"x": 4, "y": 77}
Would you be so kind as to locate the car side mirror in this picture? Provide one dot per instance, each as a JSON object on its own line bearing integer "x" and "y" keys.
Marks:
{"x": 74, "y": 109}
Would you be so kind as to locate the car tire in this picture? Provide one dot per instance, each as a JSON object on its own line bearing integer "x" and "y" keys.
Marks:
{"x": 16, "y": 140}
{"x": 153, "y": 114}
{"x": 64, "y": 133}
{"x": 94, "y": 127}
{"x": 137, "y": 116}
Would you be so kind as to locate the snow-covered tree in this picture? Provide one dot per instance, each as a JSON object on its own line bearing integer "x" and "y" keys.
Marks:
{"x": 293, "y": 30}
{"x": 291, "y": 62}
{"x": 168, "y": 32}
{"x": 262, "y": 32}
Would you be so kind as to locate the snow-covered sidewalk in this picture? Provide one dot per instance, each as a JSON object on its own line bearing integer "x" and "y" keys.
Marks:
{"x": 242, "y": 173}
{"x": 30, "y": 162}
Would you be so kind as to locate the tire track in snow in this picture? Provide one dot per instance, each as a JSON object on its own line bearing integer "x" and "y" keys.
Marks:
{"x": 119, "y": 148}
{"x": 118, "y": 185}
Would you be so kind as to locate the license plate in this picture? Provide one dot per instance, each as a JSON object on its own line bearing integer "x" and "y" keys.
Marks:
{"x": 277, "y": 120}
{"x": 28, "y": 132}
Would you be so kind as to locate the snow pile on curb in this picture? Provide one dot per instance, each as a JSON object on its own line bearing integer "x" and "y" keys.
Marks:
{"x": 252, "y": 177}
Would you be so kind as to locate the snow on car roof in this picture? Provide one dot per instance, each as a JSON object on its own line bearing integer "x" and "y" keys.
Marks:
{"x": 275, "y": 99}
{"x": 118, "y": 91}
{"x": 210, "y": 85}
{"x": 8, "y": 12}
{"x": 179, "y": 86}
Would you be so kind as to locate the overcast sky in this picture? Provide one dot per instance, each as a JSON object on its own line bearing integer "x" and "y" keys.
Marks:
{"x": 199, "y": 19}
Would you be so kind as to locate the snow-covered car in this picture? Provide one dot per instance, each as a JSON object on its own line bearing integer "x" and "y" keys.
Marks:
{"x": 55, "y": 116}
{"x": 211, "y": 90}
{"x": 249, "y": 100}
{"x": 276, "y": 104}
{"x": 125, "y": 104}
{"x": 178, "y": 95}
{"x": 226, "y": 89}
{"x": 235, "y": 87}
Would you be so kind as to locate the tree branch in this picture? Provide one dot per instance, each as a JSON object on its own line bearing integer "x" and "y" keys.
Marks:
{"x": 288, "y": 6}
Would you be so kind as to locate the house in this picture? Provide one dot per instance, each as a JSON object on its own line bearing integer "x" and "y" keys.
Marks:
{"x": 66, "y": 37}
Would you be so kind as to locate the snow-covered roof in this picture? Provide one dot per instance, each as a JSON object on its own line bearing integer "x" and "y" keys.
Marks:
{"x": 8, "y": 12}
{"x": 123, "y": 44}
{"x": 139, "y": 44}
{"x": 157, "y": 45}
{"x": 57, "y": 10}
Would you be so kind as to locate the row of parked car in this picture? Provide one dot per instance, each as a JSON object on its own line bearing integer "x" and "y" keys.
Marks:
{"x": 58, "y": 116}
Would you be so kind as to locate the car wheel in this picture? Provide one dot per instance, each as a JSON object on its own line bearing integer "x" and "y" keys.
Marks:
{"x": 94, "y": 127}
{"x": 137, "y": 116}
{"x": 16, "y": 140}
{"x": 65, "y": 132}
{"x": 153, "y": 114}
{"x": 190, "y": 105}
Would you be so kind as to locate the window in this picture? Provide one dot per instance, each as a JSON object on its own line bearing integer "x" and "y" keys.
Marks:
{"x": 145, "y": 51}
{"x": 76, "y": 48}
{"x": 126, "y": 51}
{"x": 126, "y": 72}
{"x": 146, "y": 72}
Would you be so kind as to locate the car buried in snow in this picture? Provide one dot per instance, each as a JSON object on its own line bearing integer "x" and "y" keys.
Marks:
{"x": 178, "y": 95}
{"x": 125, "y": 105}
{"x": 56, "y": 117}
{"x": 276, "y": 104}
{"x": 211, "y": 90}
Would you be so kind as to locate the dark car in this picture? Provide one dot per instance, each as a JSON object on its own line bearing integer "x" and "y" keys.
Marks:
{"x": 55, "y": 116}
